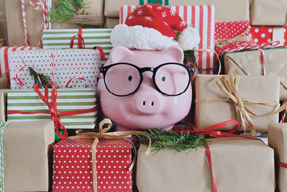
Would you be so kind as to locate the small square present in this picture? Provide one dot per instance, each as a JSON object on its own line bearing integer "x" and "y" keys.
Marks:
{"x": 25, "y": 149}
{"x": 73, "y": 165}
{"x": 249, "y": 99}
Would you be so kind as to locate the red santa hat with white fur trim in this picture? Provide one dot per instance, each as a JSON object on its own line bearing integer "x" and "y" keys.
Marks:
{"x": 153, "y": 27}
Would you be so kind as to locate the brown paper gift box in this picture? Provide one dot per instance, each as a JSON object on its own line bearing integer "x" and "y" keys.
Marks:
{"x": 27, "y": 146}
{"x": 34, "y": 20}
{"x": 259, "y": 88}
{"x": 239, "y": 165}
{"x": 226, "y": 10}
{"x": 3, "y": 29}
{"x": 3, "y": 83}
{"x": 268, "y": 13}
{"x": 111, "y": 22}
{"x": 250, "y": 63}
{"x": 2, "y": 9}
{"x": 3, "y": 104}
{"x": 277, "y": 139}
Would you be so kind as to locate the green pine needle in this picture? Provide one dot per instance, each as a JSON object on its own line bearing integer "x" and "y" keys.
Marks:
{"x": 65, "y": 9}
{"x": 162, "y": 139}
{"x": 43, "y": 78}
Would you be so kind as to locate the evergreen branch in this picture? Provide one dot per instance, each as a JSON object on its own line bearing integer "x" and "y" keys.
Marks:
{"x": 172, "y": 140}
{"x": 44, "y": 79}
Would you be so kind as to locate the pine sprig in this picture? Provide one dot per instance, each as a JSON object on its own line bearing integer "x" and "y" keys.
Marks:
{"x": 162, "y": 139}
{"x": 44, "y": 79}
{"x": 65, "y": 9}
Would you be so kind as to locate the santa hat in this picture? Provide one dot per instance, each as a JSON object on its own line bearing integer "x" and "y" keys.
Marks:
{"x": 152, "y": 27}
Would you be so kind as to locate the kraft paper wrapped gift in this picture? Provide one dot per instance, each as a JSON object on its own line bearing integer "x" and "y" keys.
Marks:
{"x": 3, "y": 83}
{"x": 226, "y": 10}
{"x": 213, "y": 106}
{"x": 277, "y": 139}
{"x": 268, "y": 13}
{"x": 34, "y": 20}
{"x": 111, "y": 22}
{"x": 26, "y": 150}
{"x": 238, "y": 165}
{"x": 2, "y": 9}
{"x": 250, "y": 63}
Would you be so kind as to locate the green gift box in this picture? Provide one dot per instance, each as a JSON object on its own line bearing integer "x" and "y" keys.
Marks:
{"x": 21, "y": 102}
{"x": 61, "y": 38}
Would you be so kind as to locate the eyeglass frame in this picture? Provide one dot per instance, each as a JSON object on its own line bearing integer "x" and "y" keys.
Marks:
{"x": 104, "y": 70}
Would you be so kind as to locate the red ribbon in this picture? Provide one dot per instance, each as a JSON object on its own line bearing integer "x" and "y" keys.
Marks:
{"x": 81, "y": 42}
{"x": 280, "y": 164}
{"x": 212, "y": 131}
{"x": 55, "y": 116}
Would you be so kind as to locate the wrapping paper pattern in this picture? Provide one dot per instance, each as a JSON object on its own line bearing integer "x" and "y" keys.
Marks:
{"x": 61, "y": 38}
{"x": 227, "y": 30}
{"x": 2, "y": 126}
{"x": 72, "y": 168}
{"x": 200, "y": 17}
{"x": 68, "y": 100}
{"x": 261, "y": 35}
{"x": 238, "y": 165}
{"x": 250, "y": 63}
{"x": 4, "y": 58}
{"x": 67, "y": 64}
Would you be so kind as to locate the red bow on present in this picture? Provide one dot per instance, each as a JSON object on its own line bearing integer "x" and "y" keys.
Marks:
{"x": 53, "y": 111}
{"x": 212, "y": 132}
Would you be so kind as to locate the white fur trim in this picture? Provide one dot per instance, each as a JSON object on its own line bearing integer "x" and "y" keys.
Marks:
{"x": 189, "y": 38}
{"x": 138, "y": 37}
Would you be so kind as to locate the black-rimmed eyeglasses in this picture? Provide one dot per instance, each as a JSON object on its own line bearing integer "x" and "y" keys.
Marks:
{"x": 123, "y": 79}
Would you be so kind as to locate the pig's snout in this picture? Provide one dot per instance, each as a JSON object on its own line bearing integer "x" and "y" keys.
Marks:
{"x": 148, "y": 103}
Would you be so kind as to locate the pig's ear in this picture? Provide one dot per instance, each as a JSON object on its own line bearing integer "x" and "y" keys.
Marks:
{"x": 175, "y": 52}
{"x": 118, "y": 53}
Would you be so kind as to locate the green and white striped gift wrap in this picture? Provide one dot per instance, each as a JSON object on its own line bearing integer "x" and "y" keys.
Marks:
{"x": 61, "y": 38}
{"x": 68, "y": 99}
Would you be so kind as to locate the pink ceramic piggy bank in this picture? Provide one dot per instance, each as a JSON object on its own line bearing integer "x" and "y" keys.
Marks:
{"x": 141, "y": 89}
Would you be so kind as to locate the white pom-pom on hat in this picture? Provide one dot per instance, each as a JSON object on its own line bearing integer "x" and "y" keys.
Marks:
{"x": 152, "y": 27}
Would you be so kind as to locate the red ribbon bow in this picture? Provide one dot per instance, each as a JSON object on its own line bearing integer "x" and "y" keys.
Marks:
{"x": 212, "y": 132}
{"x": 53, "y": 111}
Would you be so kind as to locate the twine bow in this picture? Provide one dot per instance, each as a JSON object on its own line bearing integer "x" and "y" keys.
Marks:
{"x": 103, "y": 133}
{"x": 238, "y": 38}
{"x": 229, "y": 86}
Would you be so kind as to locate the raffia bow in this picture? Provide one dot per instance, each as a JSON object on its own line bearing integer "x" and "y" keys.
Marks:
{"x": 229, "y": 85}
{"x": 103, "y": 133}
{"x": 238, "y": 38}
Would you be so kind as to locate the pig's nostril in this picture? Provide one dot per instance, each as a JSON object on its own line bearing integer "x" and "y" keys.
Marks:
{"x": 143, "y": 103}
{"x": 152, "y": 103}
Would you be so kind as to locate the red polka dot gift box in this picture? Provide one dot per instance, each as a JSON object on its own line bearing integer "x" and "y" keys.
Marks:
{"x": 59, "y": 65}
{"x": 262, "y": 34}
{"x": 73, "y": 166}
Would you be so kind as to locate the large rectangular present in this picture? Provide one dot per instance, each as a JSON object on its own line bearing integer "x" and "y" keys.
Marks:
{"x": 236, "y": 98}
{"x": 68, "y": 100}
{"x": 25, "y": 150}
{"x": 200, "y": 17}
{"x": 238, "y": 165}
{"x": 34, "y": 20}
{"x": 4, "y": 59}
{"x": 277, "y": 140}
{"x": 268, "y": 13}
{"x": 73, "y": 165}
{"x": 61, "y": 38}
{"x": 265, "y": 34}
{"x": 61, "y": 65}
{"x": 250, "y": 62}
{"x": 226, "y": 10}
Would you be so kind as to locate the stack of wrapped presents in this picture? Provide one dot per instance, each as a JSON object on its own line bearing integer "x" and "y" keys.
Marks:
{"x": 143, "y": 95}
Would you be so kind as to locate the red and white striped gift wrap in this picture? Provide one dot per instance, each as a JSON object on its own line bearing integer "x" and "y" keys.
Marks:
{"x": 4, "y": 58}
{"x": 200, "y": 17}
{"x": 60, "y": 65}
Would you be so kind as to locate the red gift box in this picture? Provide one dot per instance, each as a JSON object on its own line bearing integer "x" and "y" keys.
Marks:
{"x": 73, "y": 170}
{"x": 262, "y": 34}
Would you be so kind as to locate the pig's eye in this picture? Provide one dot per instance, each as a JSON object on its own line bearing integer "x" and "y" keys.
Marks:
{"x": 163, "y": 78}
{"x": 130, "y": 78}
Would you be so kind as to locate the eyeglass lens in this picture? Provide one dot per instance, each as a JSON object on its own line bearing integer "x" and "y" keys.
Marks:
{"x": 123, "y": 79}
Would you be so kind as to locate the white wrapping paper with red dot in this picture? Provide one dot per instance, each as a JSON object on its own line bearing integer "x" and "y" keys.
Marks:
{"x": 67, "y": 64}
{"x": 200, "y": 17}
{"x": 72, "y": 166}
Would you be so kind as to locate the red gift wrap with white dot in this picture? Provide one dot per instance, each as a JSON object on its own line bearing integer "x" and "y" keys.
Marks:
{"x": 73, "y": 171}
{"x": 262, "y": 34}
